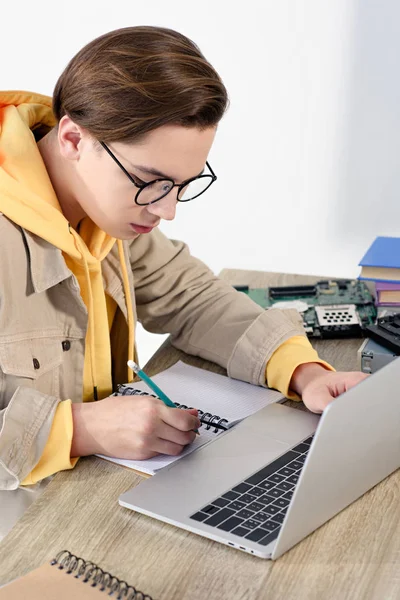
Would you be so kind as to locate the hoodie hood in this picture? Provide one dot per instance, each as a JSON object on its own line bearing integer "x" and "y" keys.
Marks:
{"x": 28, "y": 198}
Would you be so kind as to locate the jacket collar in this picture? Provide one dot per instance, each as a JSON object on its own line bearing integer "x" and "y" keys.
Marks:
{"x": 48, "y": 267}
{"x": 47, "y": 264}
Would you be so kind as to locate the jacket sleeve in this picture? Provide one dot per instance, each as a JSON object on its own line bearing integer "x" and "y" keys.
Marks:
{"x": 177, "y": 294}
{"x": 284, "y": 361}
{"x": 57, "y": 451}
{"x": 24, "y": 435}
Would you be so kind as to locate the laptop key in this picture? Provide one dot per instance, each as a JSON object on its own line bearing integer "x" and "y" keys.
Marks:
{"x": 256, "y": 506}
{"x": 288, "y": 495}
{"x": 308, "y": 441}
{"x": 266, "y": 499}
{"x": 230, "y": 524}
{"x": 257, "y": 491}
{"x": 231, "y": 495}
{"x": 272, "y": 509}
{"x": 262, "y": 516}
{"x": 274, "y": 466}
{"x": 267, "y": 485}
{"x": 281, "y": 502}
{"x": 247, "y": 498}
{"x": 242, "y": 488}
{"x": 278, "y": 518}
{"x": 302, "y": 458}
{"x": 236, "y": 505}
{"x": 293, "y": 478}
{"x": 221, "y": 502}
{"x": 220, "y": 516}
{"x": 286, "y": 471}
{"x": 276, "y": 478}
{"x": 256, "y": 534}
{"x": 210, "y": 509}
{"x": 199, "y": 516}
{"x": 251, "y": 524}
{"x": 245, "y": 513}
{"x": 270, "y": 525}
{"x": 302, "y": 448}
{"x": 269, "y": 538}
{"x": 284, "y": 486}
{"x": 296, "y": 464}
{"x": 241, "y": 531}
{"x": 275, "y": 493}
{"x": 266, "y": 511}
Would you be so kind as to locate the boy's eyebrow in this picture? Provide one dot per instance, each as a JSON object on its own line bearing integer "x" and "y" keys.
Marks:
{"x": 152, "y": 171}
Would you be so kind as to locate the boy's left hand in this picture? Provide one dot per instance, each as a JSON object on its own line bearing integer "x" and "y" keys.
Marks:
{"x": 319, "y": 387}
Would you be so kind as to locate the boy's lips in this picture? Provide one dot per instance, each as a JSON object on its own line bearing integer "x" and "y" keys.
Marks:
{"x": 141, "y": 228}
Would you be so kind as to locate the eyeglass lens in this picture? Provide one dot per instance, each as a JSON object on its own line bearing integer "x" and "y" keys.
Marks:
{"x": 158, "y": 189}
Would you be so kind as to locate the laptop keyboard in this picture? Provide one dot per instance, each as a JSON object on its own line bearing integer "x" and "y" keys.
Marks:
{"x": 255, "y": 508}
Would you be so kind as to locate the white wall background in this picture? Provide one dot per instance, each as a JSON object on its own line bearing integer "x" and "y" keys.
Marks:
{"x": 308, "y": 154}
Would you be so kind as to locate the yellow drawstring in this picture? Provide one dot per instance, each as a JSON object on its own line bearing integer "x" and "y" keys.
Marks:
{"x": 129, "y": 306}
{"x": 90, "y": 315}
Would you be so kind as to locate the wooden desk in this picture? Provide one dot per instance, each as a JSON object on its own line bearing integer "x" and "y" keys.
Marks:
{"x": 355, "y": 556}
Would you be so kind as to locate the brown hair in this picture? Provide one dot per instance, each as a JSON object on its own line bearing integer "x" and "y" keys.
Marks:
{"x": 128, "y": 82}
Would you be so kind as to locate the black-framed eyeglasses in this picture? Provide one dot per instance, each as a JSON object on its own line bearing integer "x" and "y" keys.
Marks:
{"x": 153, "y": 191}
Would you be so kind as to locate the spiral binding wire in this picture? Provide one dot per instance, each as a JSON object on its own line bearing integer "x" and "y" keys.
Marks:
{"x": 206, "y": 418}
{"x": 90, "y": 573}
{"x": 125, "y": 389}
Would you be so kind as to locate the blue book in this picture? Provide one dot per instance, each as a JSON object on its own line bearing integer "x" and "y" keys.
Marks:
{"x": 381, "y": 262}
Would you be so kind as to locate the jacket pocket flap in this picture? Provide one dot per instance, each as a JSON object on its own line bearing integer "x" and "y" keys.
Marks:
{"x": 30, "y": 358}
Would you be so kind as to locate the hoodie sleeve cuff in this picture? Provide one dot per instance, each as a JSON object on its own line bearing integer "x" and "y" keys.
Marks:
{"x": 296, "y": 351}
{"x": 56, "y": 454}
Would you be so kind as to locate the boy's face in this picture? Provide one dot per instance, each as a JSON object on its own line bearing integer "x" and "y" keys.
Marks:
{"x": 105, "y": 193}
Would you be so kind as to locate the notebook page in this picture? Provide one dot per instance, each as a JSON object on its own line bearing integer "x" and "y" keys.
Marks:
{"x": 228, "y": 398}
{"x": 219, "y": 395}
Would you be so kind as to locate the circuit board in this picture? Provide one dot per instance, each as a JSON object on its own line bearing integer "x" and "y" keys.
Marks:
{"x": 330, "y": 308}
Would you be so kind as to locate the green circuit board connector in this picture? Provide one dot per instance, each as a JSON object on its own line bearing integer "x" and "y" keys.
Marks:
{"x": 330, "y": 308}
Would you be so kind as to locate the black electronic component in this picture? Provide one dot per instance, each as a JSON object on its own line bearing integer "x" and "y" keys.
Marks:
{"x": 386, "y": 332}
{"x": 343, "y": 283}
{"x": 289, "y": 291}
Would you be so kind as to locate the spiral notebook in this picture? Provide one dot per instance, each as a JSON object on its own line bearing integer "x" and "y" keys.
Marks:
{"x": 222, "y": 402}
{"x": 68, "y": 577}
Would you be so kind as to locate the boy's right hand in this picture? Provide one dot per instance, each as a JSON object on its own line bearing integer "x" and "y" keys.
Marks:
{"x": 135, "y": 428}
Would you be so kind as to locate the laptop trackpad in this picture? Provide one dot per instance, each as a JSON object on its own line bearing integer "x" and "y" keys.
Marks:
{"x": 253, "y": 443}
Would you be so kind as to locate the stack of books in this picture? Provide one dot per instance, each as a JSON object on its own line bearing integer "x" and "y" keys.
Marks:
{"x": 381, "y": 264}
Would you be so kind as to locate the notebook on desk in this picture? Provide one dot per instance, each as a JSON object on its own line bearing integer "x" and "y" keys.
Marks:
{"x": 222, "y": 402}
{"x": 69, "y": 577}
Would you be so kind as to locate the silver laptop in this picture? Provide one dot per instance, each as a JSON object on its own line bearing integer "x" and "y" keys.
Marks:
{"x": 281, "y": 473}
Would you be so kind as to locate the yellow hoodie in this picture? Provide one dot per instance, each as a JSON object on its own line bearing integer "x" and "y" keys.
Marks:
{"x": 27, "y": 197}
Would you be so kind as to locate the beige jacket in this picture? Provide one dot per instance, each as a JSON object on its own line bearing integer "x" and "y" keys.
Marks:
{"x": 43, "y": 323}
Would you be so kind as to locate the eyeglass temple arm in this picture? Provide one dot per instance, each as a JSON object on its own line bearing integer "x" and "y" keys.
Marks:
{"x": 211, "y": 171}
{"x": 121, "y": 166}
